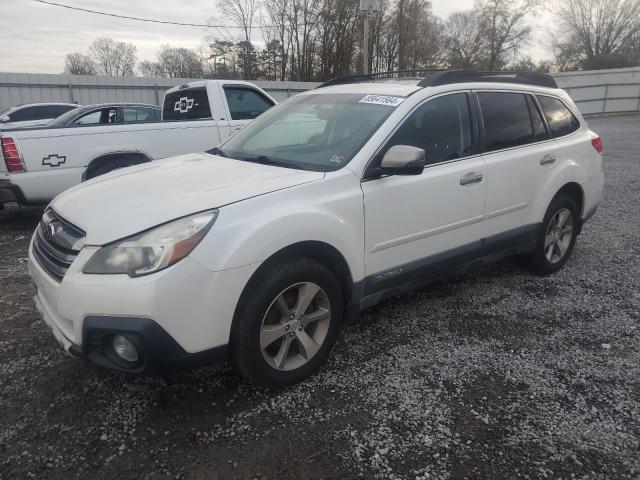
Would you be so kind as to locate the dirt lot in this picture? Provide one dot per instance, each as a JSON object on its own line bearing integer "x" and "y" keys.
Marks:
{"x": 495, "y": 375}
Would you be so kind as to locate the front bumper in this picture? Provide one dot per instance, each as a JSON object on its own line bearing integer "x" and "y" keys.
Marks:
{"x": 156, "y": 349}
{"x": 180, "y": 316}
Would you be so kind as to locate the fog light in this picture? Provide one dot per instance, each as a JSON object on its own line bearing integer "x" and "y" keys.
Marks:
{"x": 125, "y": 349}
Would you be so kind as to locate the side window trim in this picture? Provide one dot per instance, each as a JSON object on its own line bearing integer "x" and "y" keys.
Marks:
{"x": 541, "y": 115}
{"x": 475, "y": 144}
{"x": 561, "y": 100}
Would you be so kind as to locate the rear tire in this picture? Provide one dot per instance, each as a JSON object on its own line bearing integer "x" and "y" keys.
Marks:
{"x": 557, "y": 236}
{"x": 288, "y": 319}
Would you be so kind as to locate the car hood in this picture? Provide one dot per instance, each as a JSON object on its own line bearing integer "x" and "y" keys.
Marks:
{"x": 128, "y": 201}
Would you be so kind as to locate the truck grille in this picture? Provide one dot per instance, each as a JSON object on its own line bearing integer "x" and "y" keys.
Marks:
{"x": 56, "y": 244}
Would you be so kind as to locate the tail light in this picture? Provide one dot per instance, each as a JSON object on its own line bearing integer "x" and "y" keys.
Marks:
{"x": 596, "y": 141}
{"x": 11, "y": 154}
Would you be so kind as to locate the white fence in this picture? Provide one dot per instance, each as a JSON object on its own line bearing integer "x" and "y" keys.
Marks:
{"x": 17, "y": 88}
{"x": 603, "y": 91}
{"x": 598, "y": 91}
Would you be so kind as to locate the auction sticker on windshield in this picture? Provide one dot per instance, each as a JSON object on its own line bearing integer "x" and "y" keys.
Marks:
{"x": 382, "y": 100}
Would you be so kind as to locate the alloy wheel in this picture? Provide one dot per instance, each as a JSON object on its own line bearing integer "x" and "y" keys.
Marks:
{"x": 295, "y": 326}
{"x": 559, "y": 235}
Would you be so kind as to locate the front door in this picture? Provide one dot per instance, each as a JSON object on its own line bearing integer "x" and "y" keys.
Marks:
{"x": 418, "y": 225}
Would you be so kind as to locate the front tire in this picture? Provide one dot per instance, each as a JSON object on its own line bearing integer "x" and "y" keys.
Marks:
{"x": 288, "y": 319}
{"x": 557, "y": 236}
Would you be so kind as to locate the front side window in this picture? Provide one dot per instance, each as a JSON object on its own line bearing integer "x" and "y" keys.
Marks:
{"x": 441, "y": 127}
{"x": 187, "y": 104}
{"x": 245, "y": 103}
{"x": 561, "y": 121}
{"x": 507, "y": 121}
{"x": 106, "y": 116}
{"x": 320, "y": 132}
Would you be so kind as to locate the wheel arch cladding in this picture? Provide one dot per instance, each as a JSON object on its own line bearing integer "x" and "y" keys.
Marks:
{"x": 574, "y": 191}
{"x": 323, "y": 253}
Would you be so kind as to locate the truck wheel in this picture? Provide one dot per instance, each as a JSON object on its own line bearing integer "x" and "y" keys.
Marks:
{"x": 557, "y": 236}
{"x": 288, "y": 319}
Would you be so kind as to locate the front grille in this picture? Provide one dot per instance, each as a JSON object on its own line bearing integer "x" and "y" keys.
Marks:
{"x": 56, "y": 244}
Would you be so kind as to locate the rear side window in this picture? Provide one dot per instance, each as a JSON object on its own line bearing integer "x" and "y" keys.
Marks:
{"x": 561, "y": 121}
{"x": 187, "y": 104}
{"x": 507, "y": 121}
{"x": 140, "y": 114}
{"x": 245, "y": 103}
{"x": 441, "y": 127}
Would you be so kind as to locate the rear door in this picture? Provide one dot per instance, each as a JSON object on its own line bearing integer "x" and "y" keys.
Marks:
{"x": 517, "y": 146}
{"x": 243, "y": 104}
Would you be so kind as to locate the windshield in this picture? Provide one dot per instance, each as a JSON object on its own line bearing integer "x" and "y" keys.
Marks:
{"x": 65, "y": 118}
{"x": 320, "y": 132}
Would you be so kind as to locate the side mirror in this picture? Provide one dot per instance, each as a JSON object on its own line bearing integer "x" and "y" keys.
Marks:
{"x": 403, "y": 160}
{"x": 5, "y": 119}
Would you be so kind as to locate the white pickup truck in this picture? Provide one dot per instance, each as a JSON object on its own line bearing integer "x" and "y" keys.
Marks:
{"x": 39, "y": 163}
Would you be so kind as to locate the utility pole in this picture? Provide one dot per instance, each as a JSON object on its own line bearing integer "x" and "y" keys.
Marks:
{"x": 366, "y": 7}
{"x": 365, "y": 48}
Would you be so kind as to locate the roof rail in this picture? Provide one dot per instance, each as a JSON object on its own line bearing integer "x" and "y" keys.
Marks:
{"x": 432, "y": 78}
{"x": 378, "y": 76}
{"x": 460, "y": 76}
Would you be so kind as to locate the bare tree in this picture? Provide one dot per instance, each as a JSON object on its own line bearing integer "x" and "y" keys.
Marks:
{"x": 601, "y": 33}
{"x": 112, "y": 57}
{"x": 504, "y": 28}
{"x": 241, "y": 13}
{"x": 79, "y": 64}
{"x": 465, "y": 45}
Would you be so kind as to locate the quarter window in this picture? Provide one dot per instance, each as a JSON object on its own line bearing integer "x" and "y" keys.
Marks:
{"x": 441, "y": 127}
{"x": 245, "y": 103}
{"x": 507, "y": 122}
{"x": 561, "y": 121}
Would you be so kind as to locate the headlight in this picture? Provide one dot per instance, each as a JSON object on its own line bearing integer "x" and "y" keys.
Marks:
{"x": 154, "y": 249}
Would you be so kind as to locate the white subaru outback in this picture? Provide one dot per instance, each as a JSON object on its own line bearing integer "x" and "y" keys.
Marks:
{"x": 258, "y": 250}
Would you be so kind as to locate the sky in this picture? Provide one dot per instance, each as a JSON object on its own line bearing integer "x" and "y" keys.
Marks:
{"x": 34, "y": 38}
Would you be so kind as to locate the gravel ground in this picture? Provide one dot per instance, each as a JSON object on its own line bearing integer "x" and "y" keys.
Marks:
{"x": 500, "y": 374}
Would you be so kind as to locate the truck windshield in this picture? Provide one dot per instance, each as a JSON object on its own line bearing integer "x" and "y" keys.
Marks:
{"x": 320, "y": 132}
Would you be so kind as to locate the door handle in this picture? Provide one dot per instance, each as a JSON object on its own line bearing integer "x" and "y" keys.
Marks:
{"x": 548, "y": 159}
{"x": 471, "y": 178}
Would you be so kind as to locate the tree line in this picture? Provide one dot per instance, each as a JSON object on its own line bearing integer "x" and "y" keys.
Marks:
{"x": 312, "y": 40}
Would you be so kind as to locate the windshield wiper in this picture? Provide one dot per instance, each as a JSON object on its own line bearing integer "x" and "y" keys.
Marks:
{"x": 216, "y": 151}
{"x": 263, "y": 159}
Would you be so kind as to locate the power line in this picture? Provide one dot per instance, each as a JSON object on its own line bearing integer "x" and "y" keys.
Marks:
{"x": 139, "y": 19}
